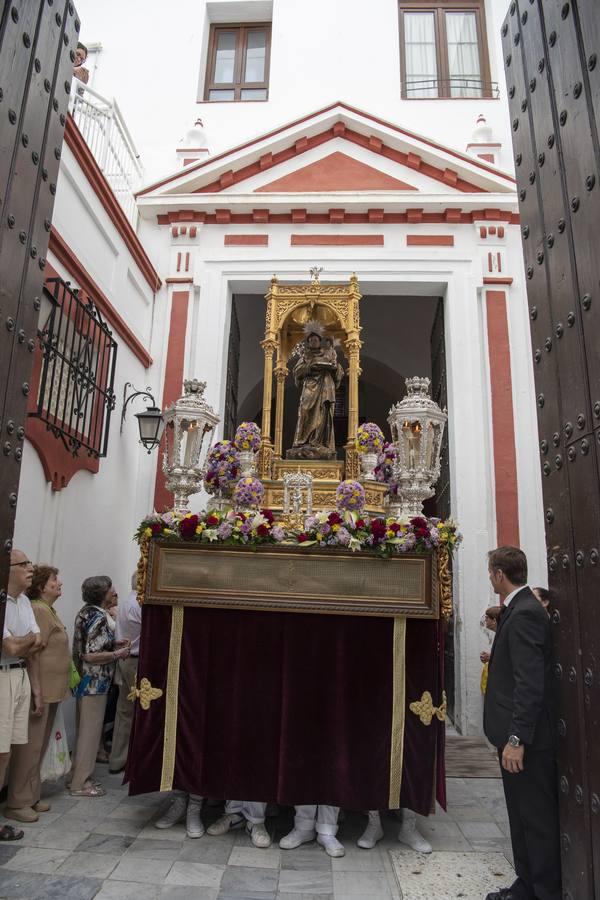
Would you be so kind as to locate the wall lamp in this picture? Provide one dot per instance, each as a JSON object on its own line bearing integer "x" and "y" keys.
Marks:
{"x": 150, "y": 420}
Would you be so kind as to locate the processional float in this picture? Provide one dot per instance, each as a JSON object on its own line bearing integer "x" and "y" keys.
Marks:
{"x": 308, "y": 560}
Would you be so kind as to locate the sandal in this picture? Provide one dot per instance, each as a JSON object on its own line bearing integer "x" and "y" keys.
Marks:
{"x": 8, "y": 833}
{"x": 92, "y": 790}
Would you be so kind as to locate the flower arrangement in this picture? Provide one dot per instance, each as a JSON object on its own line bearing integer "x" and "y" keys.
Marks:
{"x": 385, "y": 536}
{"x": 384, "y": 470}
{"x": 369, "y": 438}
{"x": 248, "y": 493}
{"x": 222, "y": 467}
{"x": 247, "y": 437}
{"x": 350, "y": 495}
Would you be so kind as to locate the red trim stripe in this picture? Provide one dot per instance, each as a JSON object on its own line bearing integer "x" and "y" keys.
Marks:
{"x": 337, "y": 240}
{"x": 81, "y": 276}
{"x": 103, "y": 191}
{"x": 503, "y": 423}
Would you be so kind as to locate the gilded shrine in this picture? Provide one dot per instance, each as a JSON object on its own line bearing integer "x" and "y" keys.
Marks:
{"x": 292, "y": 310}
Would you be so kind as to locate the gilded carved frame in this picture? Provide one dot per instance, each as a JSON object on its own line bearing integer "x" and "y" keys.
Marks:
{"x": 341, "y": 304}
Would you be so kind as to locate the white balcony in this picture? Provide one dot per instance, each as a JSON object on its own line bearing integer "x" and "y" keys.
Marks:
{"x": 104, "y": 130}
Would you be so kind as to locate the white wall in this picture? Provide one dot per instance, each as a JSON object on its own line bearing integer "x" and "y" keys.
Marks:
{"x": 87, "y": 527}
{"x": 153, "y": 61}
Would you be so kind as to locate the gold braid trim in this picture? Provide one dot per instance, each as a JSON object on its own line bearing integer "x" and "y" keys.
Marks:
{"x": 145, "y": 693}
{"x": 142, "y": 571}
{"x": 172, "y": 700}
{"x": 444, "y": 582}
{"x": 398, "y": 711}
{"x": 425, "y": 709}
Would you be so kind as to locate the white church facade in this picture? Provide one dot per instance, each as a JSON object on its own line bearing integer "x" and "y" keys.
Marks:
{"x": 371, "y": 142}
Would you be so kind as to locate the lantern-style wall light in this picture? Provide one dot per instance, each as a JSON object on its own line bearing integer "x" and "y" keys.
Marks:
{"x": 190, "y": 422}
{"x": 417, "y": 425}
{"x": 150, "y": 420}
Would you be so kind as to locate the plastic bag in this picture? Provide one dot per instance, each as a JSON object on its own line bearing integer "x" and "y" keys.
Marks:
{"x": 56, "y": 761}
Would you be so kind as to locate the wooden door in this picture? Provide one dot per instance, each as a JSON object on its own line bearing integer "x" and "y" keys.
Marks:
{"x": 37, "y": 40}
{"x": 551, "y": 56}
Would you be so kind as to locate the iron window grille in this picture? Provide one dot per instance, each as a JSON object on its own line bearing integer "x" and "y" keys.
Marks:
{"x": 75, "y": 396}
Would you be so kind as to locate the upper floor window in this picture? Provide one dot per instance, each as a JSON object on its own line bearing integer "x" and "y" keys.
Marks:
{"x": 444, "y": 49}
{"x": 238, "y": 62}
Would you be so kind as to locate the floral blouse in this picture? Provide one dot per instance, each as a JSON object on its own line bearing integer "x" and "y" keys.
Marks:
{"x": 92, "y": 634}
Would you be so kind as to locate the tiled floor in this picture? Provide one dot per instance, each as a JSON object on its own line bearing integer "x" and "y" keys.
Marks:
{"x": 108, "y": 849}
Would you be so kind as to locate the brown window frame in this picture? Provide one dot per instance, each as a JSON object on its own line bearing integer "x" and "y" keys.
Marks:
{"x": 241, "y": 47}
{"x": 440, "y": 8}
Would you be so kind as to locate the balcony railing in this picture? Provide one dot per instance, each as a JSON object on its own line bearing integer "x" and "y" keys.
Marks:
{"x": 450, "y": 89}
{"x": 104, "y": 130}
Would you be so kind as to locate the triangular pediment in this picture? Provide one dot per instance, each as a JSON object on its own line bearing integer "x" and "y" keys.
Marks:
{"x": 335, "y": 172}
{"x": 337, "y": 150}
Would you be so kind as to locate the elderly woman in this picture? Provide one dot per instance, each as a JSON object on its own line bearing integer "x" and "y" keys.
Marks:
{"x": 95, "y": 653}
{"x": 24, "y": 785}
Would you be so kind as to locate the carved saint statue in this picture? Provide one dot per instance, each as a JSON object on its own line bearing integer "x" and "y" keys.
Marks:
{"x": 318, "y": 374}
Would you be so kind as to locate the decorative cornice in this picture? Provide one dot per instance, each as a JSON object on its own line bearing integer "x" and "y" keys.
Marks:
{"x": 450, "y": 216}
{"x": 105, "y": 194}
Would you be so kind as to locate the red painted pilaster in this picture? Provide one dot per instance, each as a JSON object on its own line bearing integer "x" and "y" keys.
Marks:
{"x": 503, "y": 423}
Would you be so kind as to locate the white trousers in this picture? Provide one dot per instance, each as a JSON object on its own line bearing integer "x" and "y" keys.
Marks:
{"x": 252, "y": 812}
{"x": 326, "y": 816}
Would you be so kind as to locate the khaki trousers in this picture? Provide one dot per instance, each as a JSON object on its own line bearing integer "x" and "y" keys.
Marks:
{"x": 89, "y": 722}
{"x": 126, "y": 678}
{"x": 24, "y": 783}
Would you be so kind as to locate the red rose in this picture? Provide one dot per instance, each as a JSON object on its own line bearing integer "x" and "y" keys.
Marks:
{"x": 262, "y": 530}
{"x": 269, "y": 515}
{"x": 212, "y": 520}
{"x": 334, "y": 518}
{"x": 302, "y": 537}
{"x": 187, "y": 527}
{"x": 395, "y": 527}
{"x": 360, "y": 523}
{"x": 156, "y": 528}
{"x": 419, "y": 522}
{"x": 378, "y": 529}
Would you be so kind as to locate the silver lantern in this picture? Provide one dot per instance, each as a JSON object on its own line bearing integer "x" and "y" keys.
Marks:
{"x": 417, "y": 425}
{"x": 189, "y": 423}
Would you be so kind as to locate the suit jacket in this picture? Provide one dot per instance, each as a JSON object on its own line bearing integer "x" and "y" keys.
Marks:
{"x": 519, "y": 697}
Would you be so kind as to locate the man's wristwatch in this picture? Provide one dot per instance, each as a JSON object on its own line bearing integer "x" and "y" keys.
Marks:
{"x": 514, "y": 741}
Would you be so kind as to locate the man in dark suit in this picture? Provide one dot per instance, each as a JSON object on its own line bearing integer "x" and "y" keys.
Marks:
{"x": 518, "y": 719}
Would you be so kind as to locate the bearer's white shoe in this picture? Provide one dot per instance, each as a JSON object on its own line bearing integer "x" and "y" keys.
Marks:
{"x": 175, "y": 812}
{"x": 410, "y": 835}
{"x": 193, "y": 823}
{"x": 331, "y": 845}
{"x": 226, "y": 823}
{"x": 372, "y": 833}
{"x": 295, "y": 838}
{"x": 259, "y": 835}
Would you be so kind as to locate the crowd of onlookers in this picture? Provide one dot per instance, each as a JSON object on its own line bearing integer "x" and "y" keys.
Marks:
{"x": 40, "y": 668}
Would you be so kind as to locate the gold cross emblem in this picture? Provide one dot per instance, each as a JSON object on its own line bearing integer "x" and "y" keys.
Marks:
{"x": 145, "y": 693}
{"x": 425, "y": 709}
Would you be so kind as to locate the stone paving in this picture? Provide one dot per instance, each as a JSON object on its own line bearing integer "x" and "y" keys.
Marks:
{"x": 108, "y": 849}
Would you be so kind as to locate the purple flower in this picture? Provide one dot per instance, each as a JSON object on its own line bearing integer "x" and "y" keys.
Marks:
{"x": 277, "y": 533}
{"x": 248, "y": 492}
{"x": 246, "y": 528}
{"x": 325, "y": 528}
{"x": 225, "y": 530}
{"x": 350, "y": 495}
{"x": 410, "y": 541}
{"x": 343, "y": 536}
{"x": 247, "y": 437}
